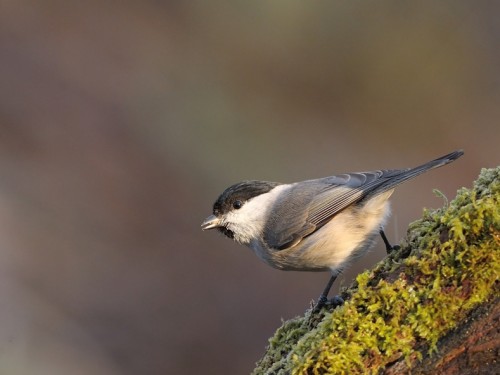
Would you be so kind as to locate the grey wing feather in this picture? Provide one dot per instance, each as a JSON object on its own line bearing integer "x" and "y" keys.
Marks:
{"x": 308, "y": 205}
{"x": 288, "y": 222}
{"x": 341, "y": 194}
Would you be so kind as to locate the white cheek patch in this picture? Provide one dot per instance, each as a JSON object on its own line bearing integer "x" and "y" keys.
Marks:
{"x": 248, "y": 222}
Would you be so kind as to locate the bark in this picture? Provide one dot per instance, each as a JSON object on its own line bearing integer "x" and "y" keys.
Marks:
{"x": 472, "y": 348}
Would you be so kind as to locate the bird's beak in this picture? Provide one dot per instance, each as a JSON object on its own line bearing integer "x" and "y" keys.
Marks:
{"x": 210, "y": 222}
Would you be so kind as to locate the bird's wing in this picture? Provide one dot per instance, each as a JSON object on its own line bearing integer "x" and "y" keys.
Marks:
{"x": 309, "y": 205}
{"x": 305, "y": 209}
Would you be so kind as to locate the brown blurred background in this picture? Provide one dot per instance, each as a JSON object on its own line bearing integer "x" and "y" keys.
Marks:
{"x": 121, "y": 122}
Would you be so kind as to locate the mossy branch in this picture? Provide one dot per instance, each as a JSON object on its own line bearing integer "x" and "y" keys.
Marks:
{"x": 431, "y": 307}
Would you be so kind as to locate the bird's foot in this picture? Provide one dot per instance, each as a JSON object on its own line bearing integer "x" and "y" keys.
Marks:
{"x": 388, "y": 247}
{"x": 331, "y": 303}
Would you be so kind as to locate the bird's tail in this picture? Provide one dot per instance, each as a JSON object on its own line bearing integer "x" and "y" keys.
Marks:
{"x": 396, "y": 177}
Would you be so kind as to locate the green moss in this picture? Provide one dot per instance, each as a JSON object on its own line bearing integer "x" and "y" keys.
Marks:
{"x": 448, "y": 264}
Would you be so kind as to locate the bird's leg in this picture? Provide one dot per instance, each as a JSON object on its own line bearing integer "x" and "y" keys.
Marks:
{"x": 388, "y": 247}
{"x": 337, "y": 300}
{"x": 323, "y": 298}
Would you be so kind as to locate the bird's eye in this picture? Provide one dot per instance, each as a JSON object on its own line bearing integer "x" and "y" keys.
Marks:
{"x": 237, "y": 204}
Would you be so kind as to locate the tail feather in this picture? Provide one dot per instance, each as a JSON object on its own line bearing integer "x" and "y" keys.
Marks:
{"x": 396, "y": 177}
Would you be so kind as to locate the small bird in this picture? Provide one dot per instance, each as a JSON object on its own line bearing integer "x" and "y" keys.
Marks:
{"x": 313, "y": 225}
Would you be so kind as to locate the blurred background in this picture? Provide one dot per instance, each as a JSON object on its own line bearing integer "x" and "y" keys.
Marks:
{"x": 121, "y": 123}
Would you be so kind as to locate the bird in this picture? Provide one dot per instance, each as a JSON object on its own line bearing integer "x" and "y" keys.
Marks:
{"x": 313, "y": 225}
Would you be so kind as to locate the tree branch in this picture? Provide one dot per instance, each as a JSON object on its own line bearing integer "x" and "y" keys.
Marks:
{"x": 431, "y": 307}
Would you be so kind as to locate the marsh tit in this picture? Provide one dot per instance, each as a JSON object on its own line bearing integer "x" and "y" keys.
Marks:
{"x": 313, "y": 225}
